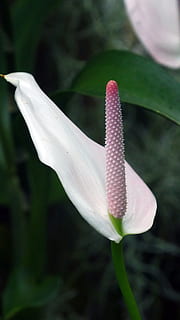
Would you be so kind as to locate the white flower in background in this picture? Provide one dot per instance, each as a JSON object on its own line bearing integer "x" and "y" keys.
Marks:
{"x": 157, "y": 24}
{"x": 97, "y": 180}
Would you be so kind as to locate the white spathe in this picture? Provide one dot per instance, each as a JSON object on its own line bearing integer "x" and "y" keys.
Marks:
{"x": 79, "y": 162}
{"x": 157, "y": 24}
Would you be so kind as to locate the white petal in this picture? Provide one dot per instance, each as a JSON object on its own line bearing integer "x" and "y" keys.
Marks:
{"x": 141, "y": 204}
{"x": 157, "y": 24}
{"x": 78, "y": 161}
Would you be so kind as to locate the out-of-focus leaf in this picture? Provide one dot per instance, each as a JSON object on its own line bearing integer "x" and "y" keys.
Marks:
{"x": 61, "y": 98}
{"x": 45, "y": 190}
{"x": 23, "y": 292}
{"x": 6, "y": 18}
{"x": 3, "y": 175}
{"x": 6, "y": 143}
{"x": 56, "y": 191}
{"x": 4, "y": 198}
{"x": 141, "y": 82}
{"x": 39, "y": 192}
{"x": 5, "y": 243}
{"x": 28, "y": 18}
{"x": 5, "y": 127}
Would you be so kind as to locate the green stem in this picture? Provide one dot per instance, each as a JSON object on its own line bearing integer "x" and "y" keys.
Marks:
{"x": 121, "y": 274}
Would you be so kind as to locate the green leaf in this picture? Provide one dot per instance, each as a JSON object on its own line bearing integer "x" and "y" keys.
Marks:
{"x": 5, "y": 124}
{"x": 4, "y": 199}
{"x": 56, "y": 191}
{"x": 39, "y": 186}
{"x": 6, "y": 141}
{"x": 28, "y": 19}
{"x": 141, "y": 82}
{"x": 5, "y": 18}
{"x": 23, "y": 292}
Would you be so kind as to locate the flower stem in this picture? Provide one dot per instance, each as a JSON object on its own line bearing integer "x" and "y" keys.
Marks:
{"x": 121, "y": 275}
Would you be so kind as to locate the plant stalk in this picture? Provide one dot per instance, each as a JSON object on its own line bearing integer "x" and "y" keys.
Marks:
{"x": 122, "y": 278}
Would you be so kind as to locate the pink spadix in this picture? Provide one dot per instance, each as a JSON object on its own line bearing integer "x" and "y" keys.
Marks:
{"x": 115, "y": 160}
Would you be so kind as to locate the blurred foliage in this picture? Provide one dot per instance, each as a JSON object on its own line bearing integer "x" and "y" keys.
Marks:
{"x": 142, "y": 82}
{"x": 42, "y": 238}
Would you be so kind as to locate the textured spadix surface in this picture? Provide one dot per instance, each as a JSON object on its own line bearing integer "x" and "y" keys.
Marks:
{"x": 157, "y": 24}
{"x": 79, "y": 162}
{"x": 115, "y": 159}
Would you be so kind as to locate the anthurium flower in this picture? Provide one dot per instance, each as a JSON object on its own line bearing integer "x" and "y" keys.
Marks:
{"x": 97, "y": 179}
{"x": 157, "y": 24}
